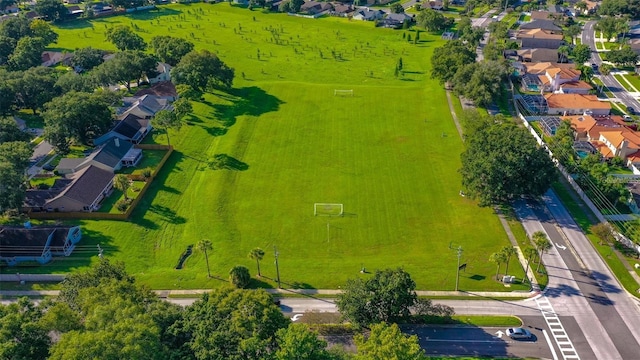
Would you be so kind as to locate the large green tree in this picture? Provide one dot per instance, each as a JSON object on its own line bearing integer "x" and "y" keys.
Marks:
{"x": 202, "y": 70}
{"x": 125, "y": 67}
{"x": 480, "y": 82}
{"x": 170, "y": 49}
{"x": 502, "y": 162}
{"x": 41, "y": 29}
{"x": 618, "y": 7}
{"x": 27, "y": 54}
{"x": 21, "y": 335}
{"x": 581, "y": 53}
{"x": 298, "y": 342}
{"x": 34, "y": 88}
{"x": 447, "y": 59}
{"x": 9, "y": 131}
{"x": 52, "y": 10}
{"x": 388, "y": 342}
{"x": 386, "y": 296}
{"x": 229, "y": 324}
{"x": 125, "y": 39}
{"x": 239, "y": 277}
{"x": 432, "y": 20}
{"x": 623, "y": 57}
{"x": 87, "y": 58}
{"x": 14, "y": 159}
{"x": 16, "y": 27}
{"x": 76, "y": 116}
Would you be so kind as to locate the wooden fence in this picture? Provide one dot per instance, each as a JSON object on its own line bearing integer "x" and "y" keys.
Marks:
{"x": 109, "y": 216}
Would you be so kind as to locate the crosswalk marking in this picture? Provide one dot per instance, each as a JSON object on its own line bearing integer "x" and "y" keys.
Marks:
{"x": 557, "y": 330}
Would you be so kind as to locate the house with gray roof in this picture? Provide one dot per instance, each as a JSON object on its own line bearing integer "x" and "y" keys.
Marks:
{"x": 111, "y": 156}
{"x": 39, "y": 244}
{"x": 395, "y": 21}
{"x": 366, "y": 14}
{"x": 132, "y": 129}
{"x": 144, "y": 107}
{"x": 82, "y": 191}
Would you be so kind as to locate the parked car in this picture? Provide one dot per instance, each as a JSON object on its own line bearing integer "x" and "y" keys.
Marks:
{"x": 519, "y": 333}
{"x": 627, "y": 118}
{"x": 594, "y": 67}
{"x": 631, "y": 110}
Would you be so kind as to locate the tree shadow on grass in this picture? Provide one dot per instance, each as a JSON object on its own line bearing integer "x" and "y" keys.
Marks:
{"x": 226, "y": 162}
{"x": 252, "y": 101}
{"x": 167, "y": 214}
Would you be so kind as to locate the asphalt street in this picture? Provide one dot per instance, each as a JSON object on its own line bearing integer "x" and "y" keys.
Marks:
{"x": 593, "y": 297}
{"x": 588, "y": 38}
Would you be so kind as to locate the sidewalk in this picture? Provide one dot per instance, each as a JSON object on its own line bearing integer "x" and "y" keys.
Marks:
{"x": 480, "y": 295}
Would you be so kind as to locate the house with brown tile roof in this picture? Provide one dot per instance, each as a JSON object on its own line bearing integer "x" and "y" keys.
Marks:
{"x": 539, "y": 38}
{"x": 538, "y": 55}
{"x": 571, "y": 104}
{"x": 575, "y": 87}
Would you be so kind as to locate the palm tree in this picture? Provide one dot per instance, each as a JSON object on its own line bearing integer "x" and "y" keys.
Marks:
{"x": 204, "y": 245}
{"x": 121, "y": 182}
{"x": 497, "y": 258}
{"x": 605, "y": 69}
{"x": 257, "y": 254}
{"x": 508, "y": 252}
{"x": 573, "y": 31}
{"x": 529, "y": 253}
{"x": 564, "y": 51}
{"x": 622, "y": 26}
{"x": 542, "y": 244}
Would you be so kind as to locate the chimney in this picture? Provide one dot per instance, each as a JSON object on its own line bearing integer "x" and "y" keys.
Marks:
{"x": 117, "y": 141}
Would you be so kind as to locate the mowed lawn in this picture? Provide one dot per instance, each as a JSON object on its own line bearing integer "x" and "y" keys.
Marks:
{"x": 390, "y": 154}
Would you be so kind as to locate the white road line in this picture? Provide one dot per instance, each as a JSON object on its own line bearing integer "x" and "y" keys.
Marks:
{"x": 468, "y": 341}
{"x": 557, "y": 330}
{"x": 553, "y": 351}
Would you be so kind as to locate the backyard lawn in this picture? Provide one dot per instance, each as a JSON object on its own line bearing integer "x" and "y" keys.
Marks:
{"x": 390, "y": 153}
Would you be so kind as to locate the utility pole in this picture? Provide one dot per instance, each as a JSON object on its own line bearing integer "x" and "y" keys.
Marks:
{"x": 275, "y": 251}
{"x": 458, "y": 269}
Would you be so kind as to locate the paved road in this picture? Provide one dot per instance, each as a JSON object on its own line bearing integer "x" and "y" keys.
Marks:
{"x": 472, "y": 341}
{"x": 41, "y": 150}
{"x": 577, "y": 292}
{"x": 588, "y": 38}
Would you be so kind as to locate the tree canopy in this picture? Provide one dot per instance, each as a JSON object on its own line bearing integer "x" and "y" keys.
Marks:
{"x": 76, "y": 116}
{"x": 87, "y": 58}
{"x": 385, "y": 297}
{"x": 202, "y": 70}
{"x": 388, "y": 342}
{"x": 126, "y": 66}
{"x": 52, "y": 10}
{"x": 502, "y": 161}
{"x": 125, "y": 39}
{"x": 624, "y": 57}
{"x": 480, "y": 82}
{"x": 170, "y": 49}
{"x": 432, "y": 20}
{"x": 27, "y": 53}
{"x": 34, "y": 87}
{"x": 447, "y": 59}
{"x": 617, "y": 7}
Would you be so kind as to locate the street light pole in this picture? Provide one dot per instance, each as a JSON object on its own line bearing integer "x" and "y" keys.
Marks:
{"x": 275, "y": 250}
{"x": 458, "y": 269}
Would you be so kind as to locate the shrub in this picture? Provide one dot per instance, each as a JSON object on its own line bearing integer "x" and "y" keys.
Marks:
{"x": 146, "y": 173}
{"x": 122, "y": 205}
{"x": 239, "y": 276}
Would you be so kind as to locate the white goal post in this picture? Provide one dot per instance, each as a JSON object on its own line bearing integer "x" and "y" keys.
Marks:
{"x": 328, "y": 209}
{"x": 338, "y": 92}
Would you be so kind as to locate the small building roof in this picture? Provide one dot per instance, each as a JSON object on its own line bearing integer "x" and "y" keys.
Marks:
{"x": 20, "y": 241}
{"x": 541, "y": 24}
{"x": 112, "y": 152}
{"x": 575, "y": 101}
{"x": 87, "y": 184}
{"x": 538, "y": 34}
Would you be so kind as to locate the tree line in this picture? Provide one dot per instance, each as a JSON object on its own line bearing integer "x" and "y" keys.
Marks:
{"x": 104, "y": 313}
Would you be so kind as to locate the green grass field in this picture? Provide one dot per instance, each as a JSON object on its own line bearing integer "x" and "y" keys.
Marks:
{"x": 390, "y": 154}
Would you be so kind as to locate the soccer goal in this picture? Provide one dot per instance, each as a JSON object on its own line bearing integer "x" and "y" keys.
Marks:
{"x": 342, "y": 92}
{"x": 327, "y": 209}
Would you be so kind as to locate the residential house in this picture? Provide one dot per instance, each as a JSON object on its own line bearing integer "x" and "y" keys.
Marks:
{"x": 11, "y": 9}
{"x": 537, "y": 55}
{"x": 395, "y": 21}
{"x": 621, "y": 142}
{"x": 539, "y": 38}
{"x": 132, "y": 129}
{"x": 113, "y": 155}
{"x": 163, "y": 89}
{"x": 312, "y": 7}
{"x": 81, "y": 191}
{"x": 575, "y": 87}
{"x": 53, "y": 58}
{"x": 163, "y": 71}
{"x": 433, "y": 5}
{"x": 543, "y": 24}
{"x": 570, "y": 104}
{"x": 634, "y": 44}
{"x": 75, "y": 10}
{"x": 365, "y": 14}
{"x": 144, "y": 107}
{"x": 540, "y": 15}
{"x": 342, "y": 10}
{"x": 39, "y": 244}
